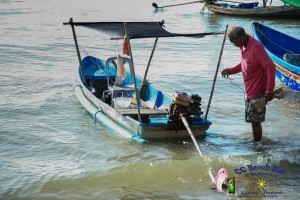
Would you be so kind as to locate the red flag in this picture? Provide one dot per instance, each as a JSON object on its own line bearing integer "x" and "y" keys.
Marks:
{"x": 125, "y": 46}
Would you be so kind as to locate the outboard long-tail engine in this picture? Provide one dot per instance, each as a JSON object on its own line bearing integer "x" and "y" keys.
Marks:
{"x": 186, "y": 105}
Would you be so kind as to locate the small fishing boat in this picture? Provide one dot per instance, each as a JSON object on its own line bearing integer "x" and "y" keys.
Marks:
{"x": 253, "y": 9}
{"x": 132, "y": 106}
{"x": 284, "y": 50}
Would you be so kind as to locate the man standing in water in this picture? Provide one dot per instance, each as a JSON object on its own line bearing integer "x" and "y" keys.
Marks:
{"x": 259, "y": 77}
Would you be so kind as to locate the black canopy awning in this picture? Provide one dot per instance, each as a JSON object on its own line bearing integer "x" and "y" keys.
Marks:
{"x": 135, "y": 29}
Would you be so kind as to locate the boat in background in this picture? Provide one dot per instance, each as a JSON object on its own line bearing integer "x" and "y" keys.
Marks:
{"x": 284, "y": 50}
{"x": 295, "y": 3}
{"x": 252, "y": 9}
{"x": 128, "y": 104}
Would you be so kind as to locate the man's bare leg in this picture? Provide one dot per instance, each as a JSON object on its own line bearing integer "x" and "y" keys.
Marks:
{"x": 257, "y": 131}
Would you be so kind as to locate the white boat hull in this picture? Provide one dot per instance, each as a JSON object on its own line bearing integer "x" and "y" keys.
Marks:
{"x": 126, "y": 126}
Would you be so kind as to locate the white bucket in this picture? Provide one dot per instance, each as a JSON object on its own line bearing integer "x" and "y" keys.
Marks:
{"x": 121, "y": 102}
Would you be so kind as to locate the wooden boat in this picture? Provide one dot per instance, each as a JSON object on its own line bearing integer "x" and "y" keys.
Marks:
{"x": 126, "y": 103}
{"x": 284, "y": 51}
{"x": 252, "y": 10}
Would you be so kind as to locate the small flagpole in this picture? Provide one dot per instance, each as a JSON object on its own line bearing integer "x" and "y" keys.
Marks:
{"x": 137, "y": 93}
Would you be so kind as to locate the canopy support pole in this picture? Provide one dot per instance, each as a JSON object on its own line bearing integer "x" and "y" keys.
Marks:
{"x": 215, "y": 78}
{"x": 137, "y": 93}
{"x": 78, "y": 53}
{"x": 150, "y": 59}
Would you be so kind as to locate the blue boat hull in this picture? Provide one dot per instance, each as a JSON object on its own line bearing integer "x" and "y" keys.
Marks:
{"x": 287, "y": 78}
{"x": 277, "y": 45}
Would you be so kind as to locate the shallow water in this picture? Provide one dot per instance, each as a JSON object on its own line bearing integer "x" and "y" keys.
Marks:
{"x": 52, "y": 149}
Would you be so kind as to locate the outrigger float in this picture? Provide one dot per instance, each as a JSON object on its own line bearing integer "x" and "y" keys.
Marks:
{"x": 128, "y": 104}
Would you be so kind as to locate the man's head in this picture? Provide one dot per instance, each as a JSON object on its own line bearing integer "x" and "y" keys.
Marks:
{"x": 237, "y": 36}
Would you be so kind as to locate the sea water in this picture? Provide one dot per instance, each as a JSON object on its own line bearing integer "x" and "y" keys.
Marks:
{"x": 52, "y": 149}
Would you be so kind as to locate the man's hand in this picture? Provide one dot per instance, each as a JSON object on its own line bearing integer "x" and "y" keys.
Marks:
{"x": 225, "y": 73}
{"x": 269, "y": 96}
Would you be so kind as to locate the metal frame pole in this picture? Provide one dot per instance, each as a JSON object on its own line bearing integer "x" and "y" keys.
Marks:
{"x": 151, "y": 56}
{"x": 213, "y": 86}
{"x": 78, "y": 53}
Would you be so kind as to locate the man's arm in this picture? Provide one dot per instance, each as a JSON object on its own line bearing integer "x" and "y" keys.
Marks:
{"x": 234, "y": 70}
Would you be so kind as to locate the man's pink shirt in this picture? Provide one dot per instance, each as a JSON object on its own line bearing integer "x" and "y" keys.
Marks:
{"x": 257, "y": 67}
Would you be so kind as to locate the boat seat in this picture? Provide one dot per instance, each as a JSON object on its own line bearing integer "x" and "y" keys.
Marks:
{"x": 145, "y": 113}
{"x": 293, "y": 59}
{"x": 142, "y": 111}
